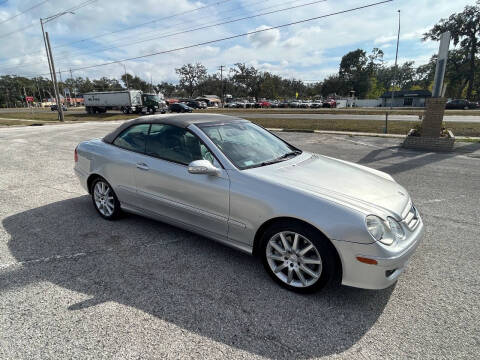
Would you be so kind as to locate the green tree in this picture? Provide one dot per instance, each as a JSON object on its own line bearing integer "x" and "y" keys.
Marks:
{"x": 248, "y": 78}
{"x": 135, "y": 82}
{"x": 166, "y": 88}
{"x": 375, "y": 89}
{"x": 465, "y": 30}
{"x": 333, "y": 84}
{"x": 355, "y": 72}
{"x": 190, "y": 76}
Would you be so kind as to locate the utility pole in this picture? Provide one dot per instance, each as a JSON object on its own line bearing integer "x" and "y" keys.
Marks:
{"x": 221, "y": 82}
{"x": 55, "y": 84}
{"x": 46, "y": 50}
{"x": 51, "y": 66}
{"x": 25, "y": 96}
{"x": 125, "y": 71}
{"x": 74, "y": 90}
{"x": 396, "y": 58}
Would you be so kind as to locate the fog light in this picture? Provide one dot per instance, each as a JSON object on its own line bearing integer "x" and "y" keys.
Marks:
{"x": 389, "y": 272}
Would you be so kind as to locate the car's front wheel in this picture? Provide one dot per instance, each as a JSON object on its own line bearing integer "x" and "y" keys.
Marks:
{"x": 298, "y": 257}
{"x": 105, "y": 200}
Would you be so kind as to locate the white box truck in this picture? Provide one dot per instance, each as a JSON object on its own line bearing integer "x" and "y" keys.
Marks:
{"x": 127, "y": 101}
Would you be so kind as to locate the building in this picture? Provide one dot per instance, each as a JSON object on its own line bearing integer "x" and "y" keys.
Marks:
{"x": 405, "y": 98}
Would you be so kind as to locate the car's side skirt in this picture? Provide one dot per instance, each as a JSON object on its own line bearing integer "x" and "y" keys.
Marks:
{"x": 189, "y": 227}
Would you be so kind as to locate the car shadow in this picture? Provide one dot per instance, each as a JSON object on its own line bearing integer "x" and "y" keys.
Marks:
{"x": 184, "y": 279}
{"x": 411, "y": 157}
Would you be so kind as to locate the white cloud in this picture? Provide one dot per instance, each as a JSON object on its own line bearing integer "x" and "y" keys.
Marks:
{"x": 308, "y": 50}
{"x": 264, "y": 38}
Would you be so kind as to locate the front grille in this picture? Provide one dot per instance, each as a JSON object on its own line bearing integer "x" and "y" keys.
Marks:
{"x": 411, "y": 219}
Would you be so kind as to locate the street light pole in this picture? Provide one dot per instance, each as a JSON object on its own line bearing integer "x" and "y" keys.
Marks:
{"x": 126, "y": 77}
{"x": 55, "y": 84}
{"x": 396, "y": 58}
{"x": 51, "y": 65}
{"x": 46, "y": 49}
{"x": 221, "y": 67}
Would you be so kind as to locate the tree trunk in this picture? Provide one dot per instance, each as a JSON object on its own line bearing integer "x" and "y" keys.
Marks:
{"x": 471, "y": 75}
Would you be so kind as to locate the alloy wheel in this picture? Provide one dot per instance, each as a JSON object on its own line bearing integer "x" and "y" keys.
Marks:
{"x": 104, "y": 200}
{"x": 294, "y": 259}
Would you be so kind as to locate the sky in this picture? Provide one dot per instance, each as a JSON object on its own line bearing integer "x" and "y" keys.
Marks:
{"x": 109, "y": 30}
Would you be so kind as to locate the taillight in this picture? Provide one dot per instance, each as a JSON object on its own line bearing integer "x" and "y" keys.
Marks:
{"x": 75, "y": 155}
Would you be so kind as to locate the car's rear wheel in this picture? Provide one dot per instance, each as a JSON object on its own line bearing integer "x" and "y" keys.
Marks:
{"x": 104, "y": 199}
{"x": 298, "y": 257}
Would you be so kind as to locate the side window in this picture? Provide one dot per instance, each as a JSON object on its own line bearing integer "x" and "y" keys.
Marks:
{"x": 133, "y": 138}
{"x": 176, "y": 144}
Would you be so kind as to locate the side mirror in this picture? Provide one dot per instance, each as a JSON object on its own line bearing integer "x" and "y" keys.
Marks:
{"x": 203, "y": 167}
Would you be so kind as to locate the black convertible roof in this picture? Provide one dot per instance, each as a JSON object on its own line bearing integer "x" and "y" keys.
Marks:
{"x": 180, "y": 120}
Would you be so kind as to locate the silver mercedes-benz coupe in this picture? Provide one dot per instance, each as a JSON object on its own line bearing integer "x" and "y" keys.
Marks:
{"x": 311, "y": 219}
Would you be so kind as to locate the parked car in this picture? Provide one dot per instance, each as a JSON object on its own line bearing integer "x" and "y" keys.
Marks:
{"x": 311, "y": 219}
{"x": 194, "y": 104}
{"x": 263, "y": 104}
{"x": 316, "y": 105}
{"x": 330, "y": 103}
{"x": 460, "y": 104}
{"x": 283, "y": 104}
{"x": 241, "y": 104}
{"x": 179, "y": 108}
{"x": 54, "y": 107}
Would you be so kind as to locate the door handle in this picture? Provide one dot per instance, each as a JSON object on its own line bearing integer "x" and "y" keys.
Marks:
{"x": 142, "y": 166}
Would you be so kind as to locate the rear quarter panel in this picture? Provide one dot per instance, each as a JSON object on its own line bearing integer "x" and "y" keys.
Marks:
{"x": 115, "y": 165}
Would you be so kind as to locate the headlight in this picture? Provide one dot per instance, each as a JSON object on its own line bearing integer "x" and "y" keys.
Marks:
{"x": 395, "y": 228}
{"x": 375, "y": 226}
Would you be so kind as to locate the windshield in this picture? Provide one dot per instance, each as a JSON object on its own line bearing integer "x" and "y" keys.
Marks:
{"x": 248, "y": 145}
{"x": 153, "y": 97}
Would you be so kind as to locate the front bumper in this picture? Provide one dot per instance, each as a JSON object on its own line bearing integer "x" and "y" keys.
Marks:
{"x": 391, "y": 262}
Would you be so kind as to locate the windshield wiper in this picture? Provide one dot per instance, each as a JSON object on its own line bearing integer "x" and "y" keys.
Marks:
{"x": 288, "y": 154}
{"x": 280, "y": 158}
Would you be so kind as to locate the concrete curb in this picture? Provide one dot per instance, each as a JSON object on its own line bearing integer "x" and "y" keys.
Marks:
{"x": 353, "y": 133}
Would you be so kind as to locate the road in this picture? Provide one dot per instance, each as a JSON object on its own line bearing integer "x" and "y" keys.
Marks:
{"x": 449, "y": 118}
{"x": 73, "y": 285}
{"x": 304, "y": 114}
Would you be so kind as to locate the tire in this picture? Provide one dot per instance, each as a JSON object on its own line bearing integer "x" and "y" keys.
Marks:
{"x": 104, "y": 199}
{"x": 124, "y": 110}
{"x": 317, "y": 265}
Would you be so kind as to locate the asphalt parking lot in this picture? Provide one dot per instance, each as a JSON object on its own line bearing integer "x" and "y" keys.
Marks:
{"x": 75, "y": 286}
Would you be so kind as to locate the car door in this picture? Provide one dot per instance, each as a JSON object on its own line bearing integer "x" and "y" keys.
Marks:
{"x": 166, "y": 188}
{"x": 123, "y": 159}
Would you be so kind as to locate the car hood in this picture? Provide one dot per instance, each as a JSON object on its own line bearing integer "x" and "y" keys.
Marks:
{"x": 367, "y": 190}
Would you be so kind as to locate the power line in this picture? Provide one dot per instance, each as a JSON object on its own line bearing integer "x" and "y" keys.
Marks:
{"x": 205, "y": 27}
{"x": 143, "y": 24}
{"x": 120, "y": 40}
{"x": 22, "y": 12}
{"x": 112, "y": 32}
{"x": 74, "y": 8}
{"x": 68, "y": 54}
{"x": 235, "y": 36}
